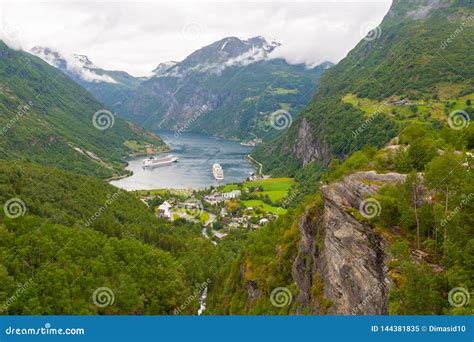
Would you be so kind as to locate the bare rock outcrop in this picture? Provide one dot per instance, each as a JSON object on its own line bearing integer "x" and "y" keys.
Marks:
{"x": 349, "y": 258}
{"x": 308, "y": 147}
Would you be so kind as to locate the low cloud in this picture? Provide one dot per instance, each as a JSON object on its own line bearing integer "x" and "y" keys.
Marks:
{"x": 137, "y": 36}
{"x": 75, "y": 66}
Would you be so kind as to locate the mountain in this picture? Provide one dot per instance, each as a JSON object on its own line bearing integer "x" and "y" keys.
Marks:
{"x": 63, "y": 228}
{"x": 110, "y": 87}
{"x": 380, "y": 230}
{"x": 409, "y": 69}
{"x": 229, "y": 88}
{"x": 49, "y": 119}
{"x": 162, "y": 68}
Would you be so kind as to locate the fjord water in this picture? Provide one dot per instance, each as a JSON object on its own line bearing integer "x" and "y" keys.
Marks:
{"x": 196, "y": 153}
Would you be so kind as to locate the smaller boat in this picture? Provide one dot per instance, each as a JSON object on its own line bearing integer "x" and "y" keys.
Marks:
{"x": 217, "y": 172}
{"x": 161, "y": 161}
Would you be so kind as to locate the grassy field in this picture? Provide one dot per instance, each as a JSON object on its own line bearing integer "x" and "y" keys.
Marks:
{"x": 272, "y": 184}
{"x": 204, "y": 217}
{"x": 275, "y": 188}
{"x": 264, "y": 206}
{"x": 275, "y": 196}
{"x": 282, "y": 91}
{"x": 229, "y": 187}
{"x": 434, "y": 109}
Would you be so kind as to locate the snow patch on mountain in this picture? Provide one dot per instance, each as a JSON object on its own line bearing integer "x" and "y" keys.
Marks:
{"x": 162, "y": 68}
{"x": 78, "y": 65}
{"x": 215, "y": 59}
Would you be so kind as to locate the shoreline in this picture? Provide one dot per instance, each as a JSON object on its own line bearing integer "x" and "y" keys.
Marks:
{"x": 146, "y": 183}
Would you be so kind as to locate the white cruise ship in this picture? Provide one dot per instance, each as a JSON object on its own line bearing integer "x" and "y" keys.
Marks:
{"x": 217, "y": 172}
{"x": 154, "y": 161}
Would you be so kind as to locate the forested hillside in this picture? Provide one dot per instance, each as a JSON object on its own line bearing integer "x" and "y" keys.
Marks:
{"x": 423, "y": 227}
{"x": 48, "y": 119}
{"x": 379, "y": 219}
{"x": 414, "y": 67}
{"x": 109, "y": 87}
{"x": 384, "y": 155}
{"x": 63, "y": 236}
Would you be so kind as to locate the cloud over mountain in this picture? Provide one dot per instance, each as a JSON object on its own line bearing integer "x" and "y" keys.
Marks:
{"x": 135, "y": 36}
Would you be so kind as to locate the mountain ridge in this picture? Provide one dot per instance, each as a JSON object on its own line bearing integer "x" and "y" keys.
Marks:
{"x": 109, "y": 87}
{"x": 58, "y": 122}
{"x": 403, "y": 58}
{"x": 229, "y": 88}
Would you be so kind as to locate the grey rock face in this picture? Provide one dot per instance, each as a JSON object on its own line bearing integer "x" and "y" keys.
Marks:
{"x": 308, "y": 147}
{"x": 351, "y": 259}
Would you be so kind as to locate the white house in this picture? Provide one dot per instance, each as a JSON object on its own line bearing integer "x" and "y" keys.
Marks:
{"x": 232, "y": 194}
{"x": 164, "y": 210}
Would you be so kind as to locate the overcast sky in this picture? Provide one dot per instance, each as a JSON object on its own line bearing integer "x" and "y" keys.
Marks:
{"x": 135, "y": 36}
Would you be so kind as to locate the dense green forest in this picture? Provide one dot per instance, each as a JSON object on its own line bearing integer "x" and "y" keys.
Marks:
{"x": 404, "y": 86}
{"x": 439, "y": 222}
{"x": 70, "y": 242}
{"x": 47, "y": 118}
{"x": 408, "y": 58}
{"x": 74, "y": 234}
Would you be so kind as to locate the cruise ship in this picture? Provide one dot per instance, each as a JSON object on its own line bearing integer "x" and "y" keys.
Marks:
{"x": 154, "y": 161}
{"x": 217, "y": 172}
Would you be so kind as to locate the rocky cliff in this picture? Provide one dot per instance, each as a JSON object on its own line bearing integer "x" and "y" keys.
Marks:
{"x": 341, "y": 255}
{"x": 309, "y": 147}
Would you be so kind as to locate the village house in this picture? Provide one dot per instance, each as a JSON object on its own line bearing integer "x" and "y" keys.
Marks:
{"x": 232, "y": 194}
{"x": 164, "y": 210}
{"x": 214, "y": 198}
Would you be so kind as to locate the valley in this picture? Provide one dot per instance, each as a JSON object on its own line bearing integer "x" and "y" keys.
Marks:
{"x": 235, "y": 82}
{"x": 196, "y": 154}
{"x": 347, "y": 188}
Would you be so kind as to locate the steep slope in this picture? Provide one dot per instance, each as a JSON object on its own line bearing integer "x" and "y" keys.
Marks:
{"x": 407, "y": 69}
{"x": 372, "y": 241}
{"x": 76, "y": 245}
{"x": 109, "y": 87}
{"x": 386, "y": 230}
{"x": 47, "y": 118}
{"x": 228, "y": 88}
